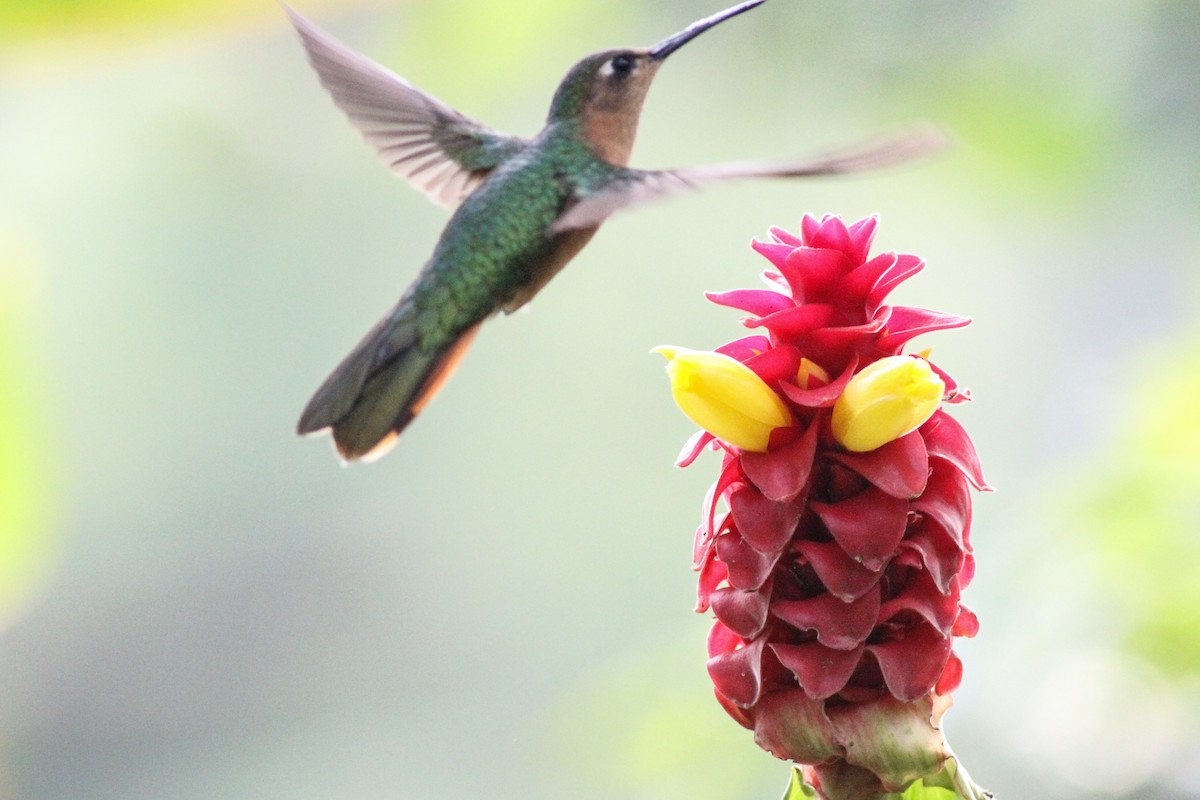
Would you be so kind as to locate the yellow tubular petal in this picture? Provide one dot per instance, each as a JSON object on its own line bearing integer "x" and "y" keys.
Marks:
{"x": 886, "y": 400}
{"x": 811, "y": 374}
{"x": 725, "y": 397}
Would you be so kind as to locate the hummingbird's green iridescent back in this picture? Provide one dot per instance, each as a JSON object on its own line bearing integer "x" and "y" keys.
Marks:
{"x": 496, "y": 251}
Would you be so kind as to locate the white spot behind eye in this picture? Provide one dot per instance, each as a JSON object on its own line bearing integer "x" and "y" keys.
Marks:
{"x": 606, "y": 69}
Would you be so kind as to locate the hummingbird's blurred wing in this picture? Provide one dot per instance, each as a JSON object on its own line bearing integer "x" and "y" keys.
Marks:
{"x": 632, "y": 187}
{"x": 438, "y": 150}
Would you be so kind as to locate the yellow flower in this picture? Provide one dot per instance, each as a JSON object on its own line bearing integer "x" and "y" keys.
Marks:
{"x": 811, "y": 374}
{"x": 725, "y": 397}
{"x": 888, "y": 399}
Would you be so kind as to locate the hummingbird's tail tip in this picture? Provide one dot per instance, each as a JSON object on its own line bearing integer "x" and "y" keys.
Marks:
{"x": 377, "y": 451}
{"x": 347, "y": 449}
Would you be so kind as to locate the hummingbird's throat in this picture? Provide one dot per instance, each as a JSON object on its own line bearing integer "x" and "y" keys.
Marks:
{"x": 610, "y": 135}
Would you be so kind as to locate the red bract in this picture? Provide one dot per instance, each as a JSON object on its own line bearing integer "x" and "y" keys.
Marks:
{"x": 834, "y": 576}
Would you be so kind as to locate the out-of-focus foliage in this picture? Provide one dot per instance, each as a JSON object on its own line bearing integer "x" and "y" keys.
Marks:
{"x": 24, "y": 20}
{"x": 1038, "y": 138}
{"x": 502, "y": 35}
{"x": 653, "y": 739}
{"x": 1141, "y": 512}
{"x": 24, "y": 538}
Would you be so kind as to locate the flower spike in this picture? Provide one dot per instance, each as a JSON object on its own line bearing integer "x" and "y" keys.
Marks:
{"x": 835, "y": 572}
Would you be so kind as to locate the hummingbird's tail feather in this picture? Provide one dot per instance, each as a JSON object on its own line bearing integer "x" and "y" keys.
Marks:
{"x": 380, "y": 387}
{"x": 393, "y": 397}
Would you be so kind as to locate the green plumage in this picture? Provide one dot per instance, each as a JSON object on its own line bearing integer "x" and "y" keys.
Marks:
{"x": 524, "y": 208}
{"x": 498, "y": 240}
{"x": 494, "y": 253}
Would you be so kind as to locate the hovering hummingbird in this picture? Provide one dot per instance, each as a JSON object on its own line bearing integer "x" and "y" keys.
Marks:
{"x": 524, "y": 208}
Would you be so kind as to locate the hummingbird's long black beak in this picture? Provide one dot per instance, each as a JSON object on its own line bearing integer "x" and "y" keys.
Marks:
{"x": 673, "y": 43}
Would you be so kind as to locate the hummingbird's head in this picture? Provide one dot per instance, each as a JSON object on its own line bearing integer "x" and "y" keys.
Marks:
{"x": 604, "y": 94}
{"x": 605, "y": 91}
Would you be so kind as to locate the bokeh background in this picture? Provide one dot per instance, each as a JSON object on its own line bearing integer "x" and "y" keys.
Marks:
{"x": 196, "y": 604}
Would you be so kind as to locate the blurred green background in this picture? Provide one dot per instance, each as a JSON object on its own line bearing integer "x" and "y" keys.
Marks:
{"x": 196, "y": 604}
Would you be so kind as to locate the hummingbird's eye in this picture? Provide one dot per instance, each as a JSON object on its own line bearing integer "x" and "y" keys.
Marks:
{"x": 622, "y": 64}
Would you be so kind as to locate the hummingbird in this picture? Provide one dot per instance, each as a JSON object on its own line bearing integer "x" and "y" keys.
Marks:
{"x": 523, "y": 208}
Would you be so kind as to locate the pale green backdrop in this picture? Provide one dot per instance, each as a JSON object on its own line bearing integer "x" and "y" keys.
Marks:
{"x": 196, "y": 604}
